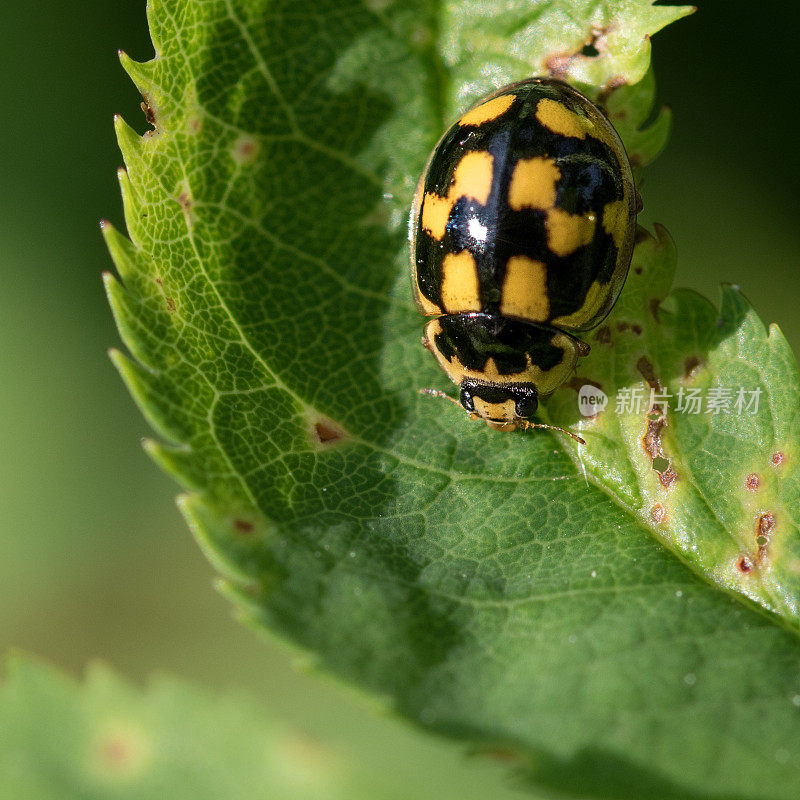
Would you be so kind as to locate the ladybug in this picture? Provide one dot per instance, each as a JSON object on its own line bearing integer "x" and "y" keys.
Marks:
{"x": 521, "y": 234}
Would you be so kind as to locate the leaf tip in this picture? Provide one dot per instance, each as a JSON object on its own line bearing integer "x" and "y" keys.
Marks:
{"x": 123, "y": 253}
{"x": 130, "y": 143}
{"x": 117, "y": 359}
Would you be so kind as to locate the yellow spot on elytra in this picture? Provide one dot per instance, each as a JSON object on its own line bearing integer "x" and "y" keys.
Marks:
{"x": 472, "y": 179}
{"x": 488, "y": 111}
{"x": 435, "y": 213}
{"x": 567, "y": 232}
{"x": 595, "y": 297}
{"x": 615, "y": 220}
{"x": 533, "y": 184}
{"x": 460, "y": 288}
{"x": 426, "y": 306}
{"x": 559, "y": 119}
{"x": 525, "y": 290}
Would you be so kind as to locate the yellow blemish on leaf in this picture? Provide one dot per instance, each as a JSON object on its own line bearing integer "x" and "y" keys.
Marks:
{"x": 472, "y": 179}
{"x": 120, "y": 752}
{"x": 486, "y": 112}
{"x": 525, "y": 290}
{"x": 326, "y": 432}
{"x": 559, "y": 119}
{"x": 245, "y": 149}
{"x": 305, "y": 763}
{"x": 533, "y": 184}
{"x": 460, "y": 288}
{"x": 567, "y": 232}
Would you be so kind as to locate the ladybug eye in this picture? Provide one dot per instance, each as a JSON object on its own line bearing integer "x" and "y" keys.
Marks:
{"x": 527, "y": 405}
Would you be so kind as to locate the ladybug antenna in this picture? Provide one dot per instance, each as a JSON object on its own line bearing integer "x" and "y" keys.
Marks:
{"x": 443, "y": 395}
{"x": 524, "y": 424}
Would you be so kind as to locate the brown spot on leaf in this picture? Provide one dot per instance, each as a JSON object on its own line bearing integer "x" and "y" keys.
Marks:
{"x": 655, "y": 304}
{"x": 121, "y": 752}
{"x": 603, "y": 335}
{"x": 766, "y": 523}
{"x": 637, "y": 330}
{"x": 245, "y": 149}
{"x": 658, "y": 513}
{"x": 243, "y": 525}
{"x": 647, "y": 371}
{"x": 656, "y": 422}
{"x": 745, "y": 564}
{"x": 149, "y": 114}
{"x": 690, "y": 367}
{"x": 614, "y": 83}
{"x": 559, "y": 64}
{"x": 752, "y": 482}
{"x": 500, "y": 753}
{"x": 168, "y": 301}
{"x": 185, "y": 201}
{"x": 651, "y": 442}
{"x": 637, "y": 270}
{"x": 622, "y": 326}
{"x": 778, "y": 459}
{"x": 326, "y": 433}
{"x": 114, "y": 751}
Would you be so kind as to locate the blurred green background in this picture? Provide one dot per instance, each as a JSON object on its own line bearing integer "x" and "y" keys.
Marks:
{"x": 94, "y": 558}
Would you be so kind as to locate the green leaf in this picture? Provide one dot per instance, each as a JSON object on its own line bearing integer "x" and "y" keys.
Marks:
{"x": 104, "y": 738}
{"x": 506, "y": 589}
{"x": 710, "y": 478}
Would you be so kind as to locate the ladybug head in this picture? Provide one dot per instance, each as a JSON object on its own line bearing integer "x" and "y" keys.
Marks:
{"x": 500, "y": 406}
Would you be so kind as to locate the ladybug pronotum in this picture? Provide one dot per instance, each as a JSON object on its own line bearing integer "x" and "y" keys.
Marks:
{"x": 521, "y": 233}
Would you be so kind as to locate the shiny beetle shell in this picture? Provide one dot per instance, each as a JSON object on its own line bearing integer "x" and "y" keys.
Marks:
{"x": 521, "y": 233}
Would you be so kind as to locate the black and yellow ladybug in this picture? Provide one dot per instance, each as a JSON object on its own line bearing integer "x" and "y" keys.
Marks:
{"x": 521, "y": 233}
